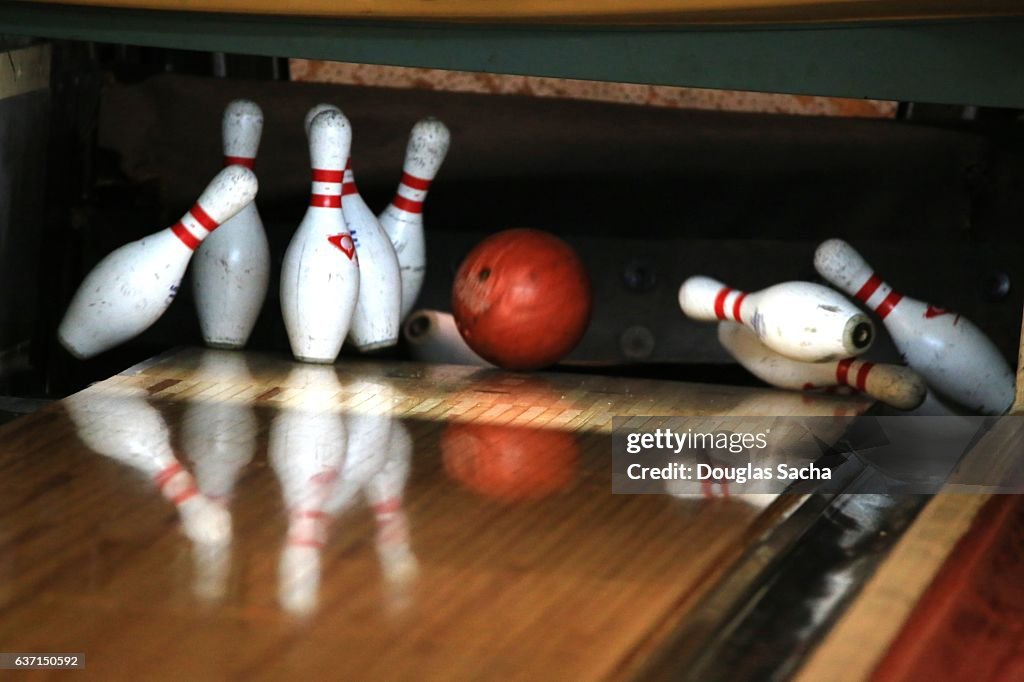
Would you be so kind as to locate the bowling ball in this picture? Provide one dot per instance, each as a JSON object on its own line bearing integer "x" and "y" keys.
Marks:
{"x": 509, "y": 463}
{"x": 522, "y": 299}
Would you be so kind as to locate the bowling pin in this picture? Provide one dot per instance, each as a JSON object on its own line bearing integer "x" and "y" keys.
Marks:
{"x": 320, "y": 273}
{"x": 800, "y": 320}
{"x": 375, "y": 321}
{"x": 306, "y": 449}
{"x": 232, "y": 265}
{"x": 132, "y": 286}
{"x": 433, "y": 337}
{"x": 900, "y": 387}
{"x": 403, "y": 217}
{"x": 953, "y": 355}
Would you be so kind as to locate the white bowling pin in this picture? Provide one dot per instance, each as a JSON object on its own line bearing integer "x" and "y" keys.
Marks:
{"x": 320, "y": 272}
{"x": 801, "y": 320}
{"x": 132, "y": 286}
{"x": 232, "y": 265}
{"x": 403, "y": 217}
{"x": 900, "y": 387}
{"x": 306, "y": 449}
{"x": 121, "y": 424}
{"x": 433, "y": 337}
{"x": 953, "y": 355}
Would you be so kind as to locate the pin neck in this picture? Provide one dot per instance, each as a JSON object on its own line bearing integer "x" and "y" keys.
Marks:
{"x": 326, "y": 190}
{"x": 247, "y": 161}
{"x": 875, "y": 288}
{"x": 194, "y": 227}
{"x": 859, "y": 380}
{"x": 411, "y": 193}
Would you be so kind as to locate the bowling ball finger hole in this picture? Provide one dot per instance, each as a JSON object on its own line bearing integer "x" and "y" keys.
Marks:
{"x": 484, "y": 274}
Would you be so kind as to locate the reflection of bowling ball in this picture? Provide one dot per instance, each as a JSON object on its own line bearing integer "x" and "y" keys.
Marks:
{"x": 509, "y": 463}
{"x": 522, "y": 299}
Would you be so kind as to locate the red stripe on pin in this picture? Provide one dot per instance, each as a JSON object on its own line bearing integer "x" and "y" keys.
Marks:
{"x": 407, "y": 205}
{"x": 349, "y": 188}
{"x": 185, "y": 495}
{"x": 186, "y": 237}
{"x": 412, "y": 182}
{"x": 720, "y": 303}
{"x": 167, "y": 474}
{"x": 843, "y": 370}
{"x": 240, "y": 161}
{"x": 321, "y": 175}
{"x": 862, "y": 375}
{"x": 890, "y": 302}
{"x": 325, "y": 200}
{"x": 869, "y": 288}
{"x": 203, "y": 218}
{"x": 737, "y": 308}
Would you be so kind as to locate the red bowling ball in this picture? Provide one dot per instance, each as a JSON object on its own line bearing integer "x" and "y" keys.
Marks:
{"x": 522, "y": 299}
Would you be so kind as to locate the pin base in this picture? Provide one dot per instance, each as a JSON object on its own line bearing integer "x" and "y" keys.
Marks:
{"x": 377, "y": 345}
{"x": 316, "y": 361}
{"x": 226, "y": 345}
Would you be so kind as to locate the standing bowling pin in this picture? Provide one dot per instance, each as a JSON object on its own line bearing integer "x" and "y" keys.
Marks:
{"x": 320, "y": 272}
{"x": 800, "y": 320}
{"x": 403, "y": 217}
{"x": 132, "y": 287}
{"x": 232, "y": 266}
{"x": 900, "y": 387}
{"x": 953, "y": 355}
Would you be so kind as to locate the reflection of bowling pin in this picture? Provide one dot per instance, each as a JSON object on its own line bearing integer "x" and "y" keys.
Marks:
{"x": 955, "y": 357}
{"x": 403, "y": 217}
{"x": 232, "y": 265}
{"x": 219, "y": 434}
{"x": 898, "y": 386}
{"x": 131, "y": 288}
{"x": 123, "y": 425}
{"x": 433, "y": 337}
{"x": 306, "y": 448}
{"x": 377, "y": 465}
{"x": 320, "y": 272}
{"x": 800, "y": 320}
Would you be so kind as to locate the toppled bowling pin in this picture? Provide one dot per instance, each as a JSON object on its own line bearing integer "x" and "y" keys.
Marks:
{"x": 801, "y": 320}
{"x": 403, "y": 217}
{"x": 433, "y": 337}
{"x": 953, "y": 355}
{"x": 320, "y": 272}
{"x": 232, "y": 265}
{"x": 898, "y": 386}
{"x": 132, "y": 287}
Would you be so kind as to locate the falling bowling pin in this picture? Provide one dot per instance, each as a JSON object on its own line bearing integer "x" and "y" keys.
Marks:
{"x": 320, "y": 273}
{"x": 232, "y": 266}
{"x": 900, "y": 387}
{"x": 132, "y": 286}
{"x": 953, "y": 355}
{"x": 801, "y": 320}
{"x": 403, "y": 217}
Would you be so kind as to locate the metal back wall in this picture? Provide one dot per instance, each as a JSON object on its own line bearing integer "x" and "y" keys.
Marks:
{"x": 648, "y": 196}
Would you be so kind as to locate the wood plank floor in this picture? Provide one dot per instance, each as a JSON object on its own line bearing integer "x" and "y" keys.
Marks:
{"x": 221, "y": 515}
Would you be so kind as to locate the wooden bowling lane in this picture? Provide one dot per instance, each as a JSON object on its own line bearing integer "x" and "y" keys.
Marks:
{"x": 219, "y": 515}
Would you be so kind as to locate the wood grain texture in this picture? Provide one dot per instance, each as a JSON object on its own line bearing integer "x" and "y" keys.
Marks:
{"x": 281, "y": 549}
{"x": 590, "y": 11}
